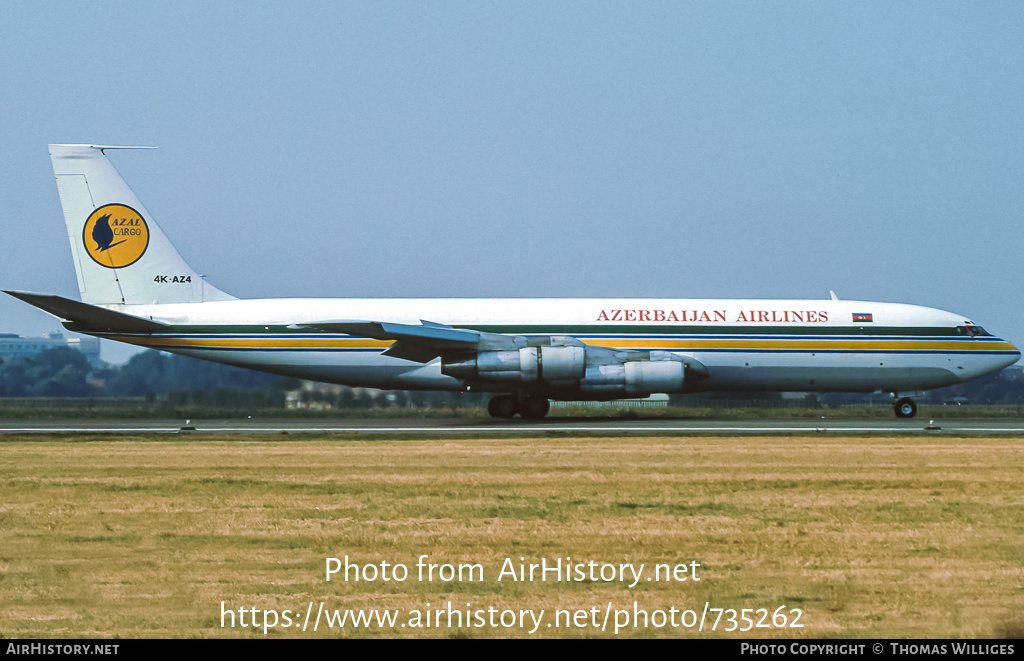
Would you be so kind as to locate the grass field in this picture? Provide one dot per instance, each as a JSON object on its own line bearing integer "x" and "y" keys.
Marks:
{"x": 867, "y": 536}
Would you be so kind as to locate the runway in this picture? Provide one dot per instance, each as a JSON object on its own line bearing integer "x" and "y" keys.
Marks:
{"x": 489, "y": 427}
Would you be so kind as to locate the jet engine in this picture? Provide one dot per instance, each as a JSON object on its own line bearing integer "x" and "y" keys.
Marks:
{"x": 524, "y": 365}
{"x": 590, "y": 372}
{"x": 633, "y": 377}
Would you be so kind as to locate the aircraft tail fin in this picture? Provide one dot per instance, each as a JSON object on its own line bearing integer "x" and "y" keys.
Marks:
{"x": 121, "y": 255}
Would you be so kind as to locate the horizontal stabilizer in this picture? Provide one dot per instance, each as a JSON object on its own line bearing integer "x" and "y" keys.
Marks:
{"x": 88, "y": 318}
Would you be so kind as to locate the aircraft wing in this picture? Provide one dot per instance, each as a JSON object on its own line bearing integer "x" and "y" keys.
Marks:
{"x": 462, "y": 349}
{"x": 422, "y": 343}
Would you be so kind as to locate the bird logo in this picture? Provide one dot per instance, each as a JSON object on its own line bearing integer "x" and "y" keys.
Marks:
{"x": 103, "y": 235}
{"x": 115, "y": 236}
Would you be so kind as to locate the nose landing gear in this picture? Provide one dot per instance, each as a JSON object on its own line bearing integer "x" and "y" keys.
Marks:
{"x": 905, "y": 408}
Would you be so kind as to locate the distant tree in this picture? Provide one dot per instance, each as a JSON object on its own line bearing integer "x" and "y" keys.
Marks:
{"x": 364, "y": 400}
{"x": 144, "y": 373}
{"x": 160, "y": 373}
{"x": 13, "y": 378}
{"x": 58, "y": 372}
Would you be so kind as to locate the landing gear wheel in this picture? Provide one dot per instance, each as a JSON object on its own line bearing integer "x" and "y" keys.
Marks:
{"x": 905, "y": 408}
{"x": 502, "y": 406}
{"x": 534, "y": 408}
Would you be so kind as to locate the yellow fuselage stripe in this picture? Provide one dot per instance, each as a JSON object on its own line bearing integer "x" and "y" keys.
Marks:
{"x": 692, "y": 344}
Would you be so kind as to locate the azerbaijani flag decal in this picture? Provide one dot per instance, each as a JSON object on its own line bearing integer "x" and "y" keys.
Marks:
{"x": 862, "y": 316}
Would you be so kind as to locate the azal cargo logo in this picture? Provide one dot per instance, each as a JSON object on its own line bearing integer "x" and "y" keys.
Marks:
{"x": 115, "y": 236}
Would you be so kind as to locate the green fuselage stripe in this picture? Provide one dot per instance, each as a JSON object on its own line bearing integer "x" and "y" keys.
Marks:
{"x": 600, "y": 329}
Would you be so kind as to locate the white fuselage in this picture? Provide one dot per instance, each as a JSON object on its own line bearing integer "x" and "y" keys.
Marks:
{"x": 762, "y": 345}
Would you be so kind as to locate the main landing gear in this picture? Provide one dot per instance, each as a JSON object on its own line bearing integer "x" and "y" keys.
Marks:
{"x": 528, "y": 406}
{"x": 905, "y": 408}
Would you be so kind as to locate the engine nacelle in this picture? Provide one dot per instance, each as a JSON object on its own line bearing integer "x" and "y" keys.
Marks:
{"x": 523, "y": 365}
{"x": 634, "y": 378}
{"x": 578, "y": 370}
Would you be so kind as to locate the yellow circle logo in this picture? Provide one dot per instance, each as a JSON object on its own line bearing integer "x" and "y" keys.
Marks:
{"x": 115, "y": 236}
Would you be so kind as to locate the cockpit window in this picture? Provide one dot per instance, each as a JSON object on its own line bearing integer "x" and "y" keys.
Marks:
{"x": 971, "y": 330}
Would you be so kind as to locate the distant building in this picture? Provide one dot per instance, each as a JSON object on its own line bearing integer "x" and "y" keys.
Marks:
{"x": 15, "y": 346}
{"x": 315, "y": 396}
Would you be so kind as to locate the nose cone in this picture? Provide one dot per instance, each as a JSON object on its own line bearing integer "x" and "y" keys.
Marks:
{"x": 988, "y": 354}
{"x": 999, "y": 354}
{"x": 1012, "y": 355}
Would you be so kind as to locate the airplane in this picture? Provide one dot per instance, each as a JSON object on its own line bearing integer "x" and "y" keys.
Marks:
{"x": 136, "y": 288}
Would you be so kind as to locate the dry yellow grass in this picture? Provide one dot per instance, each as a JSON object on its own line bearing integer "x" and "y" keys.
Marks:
{"x": 869, "y": 537}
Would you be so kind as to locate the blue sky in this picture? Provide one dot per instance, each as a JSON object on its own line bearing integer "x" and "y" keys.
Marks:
{"x": 766, "y": 150}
